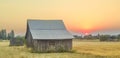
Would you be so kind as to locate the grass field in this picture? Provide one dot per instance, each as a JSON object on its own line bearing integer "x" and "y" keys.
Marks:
{"x": 84, "y": 49}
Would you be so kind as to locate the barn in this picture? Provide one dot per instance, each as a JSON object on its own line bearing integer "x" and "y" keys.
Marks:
{"x": 48, "y": 35}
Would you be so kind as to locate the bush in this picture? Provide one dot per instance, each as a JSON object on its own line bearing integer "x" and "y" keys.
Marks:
{"x": 51, "y": 49}
{"x": 17, "y": 41}
{"x": 61, "y": 49}
{"x": 104, "y": 37}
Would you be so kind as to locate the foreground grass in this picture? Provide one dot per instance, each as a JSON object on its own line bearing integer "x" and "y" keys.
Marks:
{"x": 98, "y": 48}
{"x": 83, "y": 50}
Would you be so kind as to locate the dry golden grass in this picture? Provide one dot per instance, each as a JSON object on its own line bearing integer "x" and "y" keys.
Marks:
{"x": 98, "y": 48}
{"x": 83, "y": 50}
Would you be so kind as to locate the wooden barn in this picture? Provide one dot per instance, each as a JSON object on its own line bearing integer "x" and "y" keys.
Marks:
{"x": 48, "y": 35}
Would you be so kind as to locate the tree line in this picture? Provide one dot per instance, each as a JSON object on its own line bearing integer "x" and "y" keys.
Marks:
{"x": 100, "y": 37}
{"x": 6, "y": 36}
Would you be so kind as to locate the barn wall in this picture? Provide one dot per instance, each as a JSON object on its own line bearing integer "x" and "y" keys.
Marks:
{"x": 55, "y": 45}
{"x": 28, "y": 38}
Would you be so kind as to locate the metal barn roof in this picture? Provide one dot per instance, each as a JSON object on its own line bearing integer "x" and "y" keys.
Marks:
{"x": 51, "y": 34}
{"x": 48, "y": 29}
{"x": 46, "y": 24}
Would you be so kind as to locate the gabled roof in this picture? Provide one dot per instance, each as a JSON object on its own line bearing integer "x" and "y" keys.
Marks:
{"x": 46, "y": 24}
{"x": 48, "y": 29}
{"x": 51, "y": 34}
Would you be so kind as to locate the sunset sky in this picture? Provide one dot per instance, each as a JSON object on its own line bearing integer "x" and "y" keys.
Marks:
{"x": 81, "y": 16}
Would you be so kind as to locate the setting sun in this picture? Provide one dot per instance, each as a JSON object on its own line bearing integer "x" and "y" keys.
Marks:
{"x": 86, "y": 33}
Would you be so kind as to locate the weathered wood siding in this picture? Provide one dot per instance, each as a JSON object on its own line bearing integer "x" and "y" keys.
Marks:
{"x": 28, "y": 37}
{"x": 55, "y": 45}
{"x": 29, "y": 40}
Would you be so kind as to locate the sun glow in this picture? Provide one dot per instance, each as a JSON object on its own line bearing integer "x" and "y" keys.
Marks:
{"x": 86, "y": 27}
{"x": 86, "y": 33}
{"x": 82, "y": 16}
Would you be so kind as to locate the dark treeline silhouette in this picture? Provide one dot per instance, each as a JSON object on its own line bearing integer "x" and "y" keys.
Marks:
{"x": 14, "y": 41}
{"x": 100, "y": 37}
{"x": 5, "y": 36}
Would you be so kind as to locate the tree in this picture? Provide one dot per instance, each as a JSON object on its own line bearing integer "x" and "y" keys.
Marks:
{"x": 0, "y": 35}
{"x": 77, "y": 37}
{"x": 88, "y": 36}
{"x": 11, "y": 34}
{"x": 118, "y": 37}
{"x": 104, "y": 37}
{"x": 3, "y": 34}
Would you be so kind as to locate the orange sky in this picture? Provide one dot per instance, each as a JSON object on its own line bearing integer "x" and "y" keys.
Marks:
{"x": 79, "y": 15}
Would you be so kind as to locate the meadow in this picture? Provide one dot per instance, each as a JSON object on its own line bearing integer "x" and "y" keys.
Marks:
{"x": 81, "y": 48}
